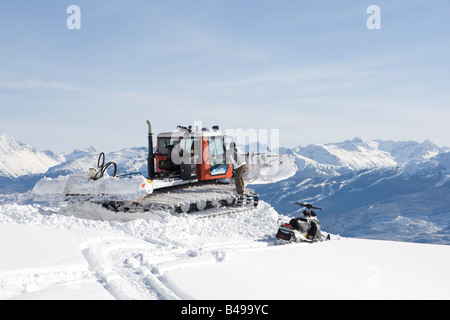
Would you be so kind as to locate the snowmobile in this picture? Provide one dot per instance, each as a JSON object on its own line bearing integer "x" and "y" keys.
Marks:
{"x": 304, "y": 228}
{"x": 187, "y": 172}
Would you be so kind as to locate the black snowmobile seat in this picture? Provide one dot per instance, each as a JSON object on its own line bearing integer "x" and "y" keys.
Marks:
{"x": 300, "y": 224}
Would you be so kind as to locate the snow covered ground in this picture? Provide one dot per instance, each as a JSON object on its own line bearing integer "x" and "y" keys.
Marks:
{"x": 46, "y": 255}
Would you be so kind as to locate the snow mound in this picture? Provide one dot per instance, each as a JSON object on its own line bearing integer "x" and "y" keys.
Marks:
{"x": 269, "y": 168}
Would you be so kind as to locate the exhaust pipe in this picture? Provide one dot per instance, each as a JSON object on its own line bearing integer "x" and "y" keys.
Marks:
{"x": 151, "y": 156}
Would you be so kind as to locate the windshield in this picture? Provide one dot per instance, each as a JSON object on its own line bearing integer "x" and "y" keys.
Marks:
{"x": 164, "y": 143}
{"x": 216, "y": 151}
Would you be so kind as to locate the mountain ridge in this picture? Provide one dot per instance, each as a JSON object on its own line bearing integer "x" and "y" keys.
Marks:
{"x": 315, "y": 160}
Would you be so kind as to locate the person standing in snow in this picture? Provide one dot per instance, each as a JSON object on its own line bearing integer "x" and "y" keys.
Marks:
{"x": 237, "y": 160}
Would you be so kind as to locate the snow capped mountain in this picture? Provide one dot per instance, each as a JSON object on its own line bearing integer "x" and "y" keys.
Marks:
{"x": 18, "y": 159}
{"x": 128, "y": 160}
{"x": 77, "y": 154}
{"x": 405, "y": 151}
{"x": 354, "y": 155}
{"x": 21, "y": 163}
{"x": 335, "y": 159}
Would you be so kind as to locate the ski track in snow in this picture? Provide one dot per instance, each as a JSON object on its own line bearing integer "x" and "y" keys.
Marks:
{"x": 15, "y": 283}
{"x": 129, "y": 259}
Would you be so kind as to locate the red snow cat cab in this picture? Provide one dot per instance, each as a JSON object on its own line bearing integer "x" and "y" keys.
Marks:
{"x": 188, "y": 154}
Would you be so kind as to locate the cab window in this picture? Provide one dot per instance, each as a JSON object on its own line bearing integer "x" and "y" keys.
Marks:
{"x": 216, "y": 151}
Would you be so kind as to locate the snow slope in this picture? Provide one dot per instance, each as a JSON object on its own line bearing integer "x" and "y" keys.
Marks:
{"x": 345, "y": 269}
{"x": 44, "y": 262}
{"x": 50, "y": 256}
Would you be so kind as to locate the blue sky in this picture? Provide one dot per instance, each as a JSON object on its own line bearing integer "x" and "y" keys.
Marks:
{"x": 311, "y": 69}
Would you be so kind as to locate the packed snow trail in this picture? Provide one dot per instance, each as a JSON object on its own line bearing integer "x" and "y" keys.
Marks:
{"x": 128, "y": 259}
